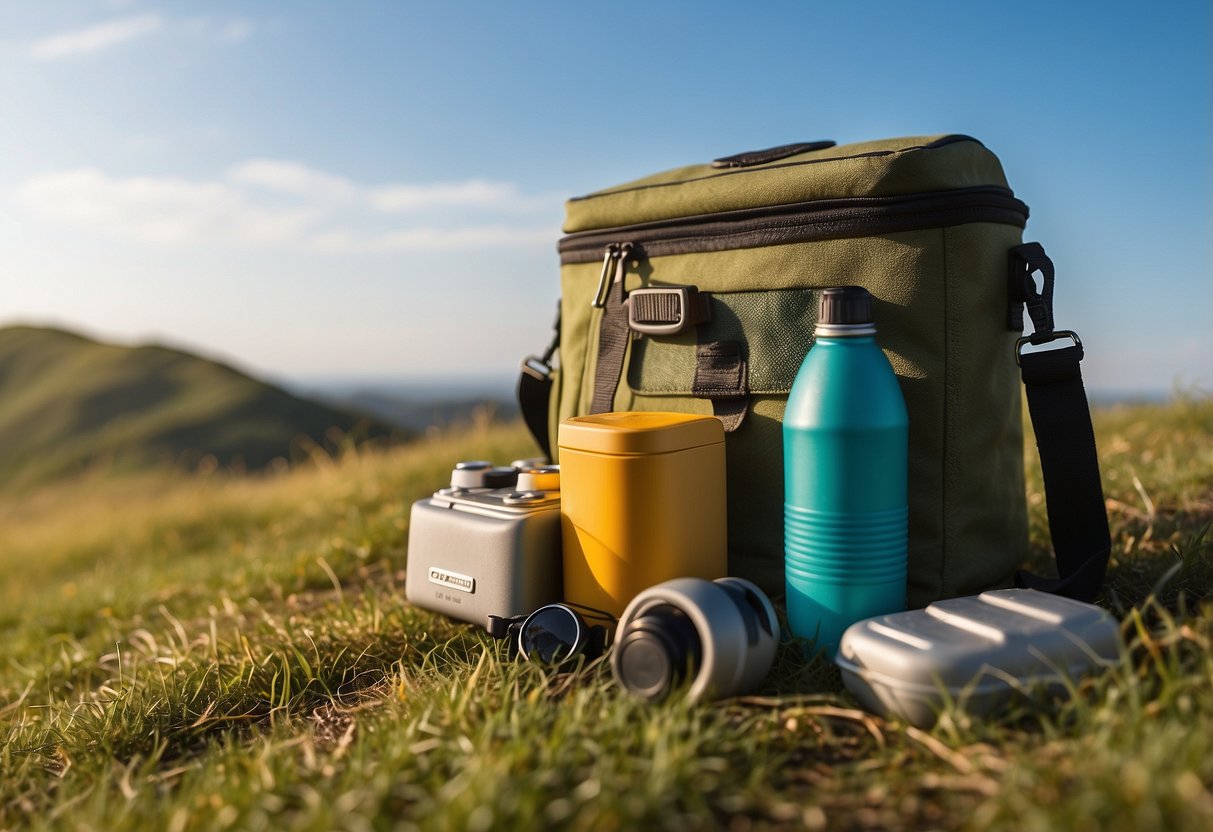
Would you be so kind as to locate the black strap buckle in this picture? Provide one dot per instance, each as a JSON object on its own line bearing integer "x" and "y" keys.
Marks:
{"x": 536, "y": 368}
{"x": 666, "y": 310}
{"x": 1038, "y": 338}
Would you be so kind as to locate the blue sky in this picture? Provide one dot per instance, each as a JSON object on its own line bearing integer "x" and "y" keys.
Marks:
{"x": 374, "y": 190}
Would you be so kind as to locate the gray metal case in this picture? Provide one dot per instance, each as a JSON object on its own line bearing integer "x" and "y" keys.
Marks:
{"x": 472, "y": 553}
{"x": 977, "y": 651}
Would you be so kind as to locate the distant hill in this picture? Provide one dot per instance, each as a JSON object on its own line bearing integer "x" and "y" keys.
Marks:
{"x": 67, "y": 401}
{"x": 418, "y": 412}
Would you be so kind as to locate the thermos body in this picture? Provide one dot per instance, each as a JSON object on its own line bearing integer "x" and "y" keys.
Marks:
{"x": 845, "y": 435}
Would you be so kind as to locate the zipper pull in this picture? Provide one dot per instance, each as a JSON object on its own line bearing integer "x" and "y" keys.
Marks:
{"x": 621, "y": 266}
{"x": 618, "y": 254}
{"x": 609, "y": 254}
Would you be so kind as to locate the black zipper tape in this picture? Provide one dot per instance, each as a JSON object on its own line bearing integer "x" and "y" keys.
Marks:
{"x": 799, "y": 222}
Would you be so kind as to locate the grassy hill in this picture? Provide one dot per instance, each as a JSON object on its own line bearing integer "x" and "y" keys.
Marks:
{"x": 68, "y": 402}
{"x": 419, "y": 413}
{"x": 215, "y": 651}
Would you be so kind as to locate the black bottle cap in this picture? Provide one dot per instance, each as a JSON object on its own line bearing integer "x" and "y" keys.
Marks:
{"x": 846, "y": 305}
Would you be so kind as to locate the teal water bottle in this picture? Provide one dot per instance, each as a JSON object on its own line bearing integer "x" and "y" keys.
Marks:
{"x": 845, "y": 439}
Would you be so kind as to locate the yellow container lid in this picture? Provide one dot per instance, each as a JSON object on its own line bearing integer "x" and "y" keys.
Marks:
{"x": 639, "y": 432}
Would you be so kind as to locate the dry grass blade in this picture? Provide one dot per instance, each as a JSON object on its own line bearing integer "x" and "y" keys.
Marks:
{"x": 850, "y": 714}
{"x": 1151, "y": 512}
{"x": 202, "y": 718}
{"x": 18, "y": 702}
{"x": 950, "y": 756}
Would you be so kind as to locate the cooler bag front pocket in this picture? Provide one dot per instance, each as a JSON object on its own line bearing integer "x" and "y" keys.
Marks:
{"x": 772, "y": 330}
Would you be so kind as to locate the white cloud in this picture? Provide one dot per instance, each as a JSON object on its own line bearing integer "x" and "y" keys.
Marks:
{"x": 292, "y": 178}
{"x": 228, "y": 30}
{"x": 475, "y": 192}
{"x": 95, "y": 38}
{"x": 271, "y": 202}
{"x": 308, "y": 183}
{"x": 162, "y": 210}
{"x": 434, "y": 239}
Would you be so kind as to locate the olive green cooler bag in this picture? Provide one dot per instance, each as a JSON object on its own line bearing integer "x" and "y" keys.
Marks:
{"x": 696, "y": 290}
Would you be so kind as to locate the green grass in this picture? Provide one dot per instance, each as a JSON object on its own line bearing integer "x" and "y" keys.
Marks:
{"x": 214, "y": 651}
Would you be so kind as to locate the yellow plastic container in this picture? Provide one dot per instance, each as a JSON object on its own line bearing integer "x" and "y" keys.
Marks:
{"x": 642, "y": 501}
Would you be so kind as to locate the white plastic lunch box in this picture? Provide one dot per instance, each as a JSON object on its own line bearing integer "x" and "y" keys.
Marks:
{"x": 977, "y": 651}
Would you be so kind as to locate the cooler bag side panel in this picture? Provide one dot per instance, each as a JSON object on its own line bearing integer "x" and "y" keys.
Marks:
{"x": 985, "y": 537}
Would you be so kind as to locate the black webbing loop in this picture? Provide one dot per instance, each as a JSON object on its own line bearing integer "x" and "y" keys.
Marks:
{"x": 1026, "y": 260}
{"x": 613, "y": 338}
{"x": 554, "y": 344}
{"x": 723, "y": 376}
{"x": 535, "y": 390}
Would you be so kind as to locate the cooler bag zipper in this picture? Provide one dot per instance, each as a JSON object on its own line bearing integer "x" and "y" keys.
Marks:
{"x": 796, "y": 222}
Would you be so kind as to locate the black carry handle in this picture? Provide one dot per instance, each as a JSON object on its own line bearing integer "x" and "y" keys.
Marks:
{"x": 770, "y": 154}
{"x": 1061, "y": 419}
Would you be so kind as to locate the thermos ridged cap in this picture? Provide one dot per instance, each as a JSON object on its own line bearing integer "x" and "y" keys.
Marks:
{"x": 846, "y": 305}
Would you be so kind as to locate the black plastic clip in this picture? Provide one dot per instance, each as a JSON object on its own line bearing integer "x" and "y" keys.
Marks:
{"x": 667, "y": 310}
{"x": 1025, "y": 261}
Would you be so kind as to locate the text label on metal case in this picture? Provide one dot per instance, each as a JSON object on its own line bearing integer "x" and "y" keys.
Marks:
{"x": 464, "y": 583}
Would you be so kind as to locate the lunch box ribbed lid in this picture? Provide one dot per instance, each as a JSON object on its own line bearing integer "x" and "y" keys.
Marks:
{"x": 1018, "y": 634}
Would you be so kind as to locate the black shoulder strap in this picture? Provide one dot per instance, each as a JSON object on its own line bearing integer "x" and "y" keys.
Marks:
{"x": 1061, "y": 420}
{"x": 535, "y": 390}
